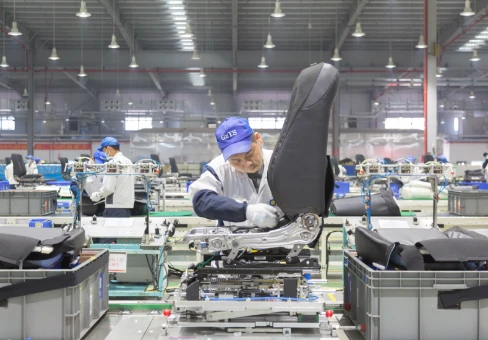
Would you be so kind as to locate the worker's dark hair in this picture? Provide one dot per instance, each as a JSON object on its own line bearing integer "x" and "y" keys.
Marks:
{"x": 115, "y": 147}
{"x": 485, "y": 154}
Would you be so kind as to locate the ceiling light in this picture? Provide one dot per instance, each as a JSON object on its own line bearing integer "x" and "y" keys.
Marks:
{"x": 178, "y": 13}
{"x": 195, "y": 55}
{"x": 67, "y": 119}
{"x": 176, "y": 8}
{"x": 47, "y": 102}
{"x": 463, "y": 118}
{"x": 376, "y": 103}
{"x": 4, "y": 62}
{"x": 471, "y": 95}
{"x": 26, "y": 94}
{"x": 209, "y": 93}
{"x": 278, "y": 13}
{"x": 187, "y": 33}
{"x": 390, "y": 63}
{"x": 175, "y": 2}
{"x": 103, "y": 122}
{"x": 421, "y": 43}
{"x": 117, "y": 93}
{"x": 113, "y": 43}
{"x": 160, "y": 122}
{"x": 212, "y": 101}
{"x": 269, "y": 42}
{"x": 475, "y": 57}
{"x": 202, "y": 73}
{"x": 133, "y": 64}
{"x": 179, "y": 18}
{"x": 54, "y": 54}
{"x": 14, "y": 30}
{"x": 467, "y": 9}
{"x": 263, "y": 63}
{"x": 442, "y": 121}
{"x": 83, "y": 13}
{"x": 442, "y": 105}
{"x": 358, "y": 33}
{"x": 438, "y": 73}
{"x": 336, "y": 56}
{"x": 189, "y": 48}
{"x": 187, "y": 43}
{"x": 44, "y": 122}
{"x": 82, "y": 72}
{"x": 130, "y": 102}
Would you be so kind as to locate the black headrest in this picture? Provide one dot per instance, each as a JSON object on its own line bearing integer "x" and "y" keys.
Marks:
{"x": 299, "y": 174}
{"x": 155, "y": 157}
{"x": 19, "y": 165}
{"x": 172, "y": 163}
{"x": 360, "y": 158}
{"x": 428, "y": 158}
{"x": 7, "y": 160}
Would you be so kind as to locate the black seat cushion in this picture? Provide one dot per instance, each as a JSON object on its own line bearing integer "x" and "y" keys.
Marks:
{"x": 299, "y": 174}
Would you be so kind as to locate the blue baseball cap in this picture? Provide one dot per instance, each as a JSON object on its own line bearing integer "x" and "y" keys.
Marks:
{"x": 37, "y": 159}
{"x": 30, "y": 157}
{"x": 99, "y": 157}
{"x": 234, "y": 136}
{"x": 108, "y": 141}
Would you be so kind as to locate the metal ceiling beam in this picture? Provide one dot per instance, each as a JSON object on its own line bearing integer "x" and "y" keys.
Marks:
{"x": 459, "y": 26}
{"x": 350, "y": 20}
{"x": 155, "y": 79}
{"x": 80, "y": 84}
{"x": 125, "y": 29}
{"x": 235, "y": 4}
{"x": 473, "y": 82}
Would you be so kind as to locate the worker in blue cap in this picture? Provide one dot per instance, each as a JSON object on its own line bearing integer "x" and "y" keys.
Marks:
{"x": 118, "y": 191}
{"x": 32, "y": 166}
{"x": 233, "y": 187}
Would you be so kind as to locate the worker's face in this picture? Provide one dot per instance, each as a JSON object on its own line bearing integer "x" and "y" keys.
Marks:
{"x": 251, "y": 161}
{"x": 109, "y": 151}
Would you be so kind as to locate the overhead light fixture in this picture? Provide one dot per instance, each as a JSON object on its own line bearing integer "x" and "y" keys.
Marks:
{"x": 133, "y": 64}
{"x": 47, "y": 102}
{"x": 212, "y": 101}
{"x": 130, "y": 102}
{"x": 82, "y": 72}
{"x": 390, "y": 63}
{"x": 336, "y": 56}
{"x": 278, "y": 13}
{"x": 195, "y": 56}
{"x": 209, "y": 93}
{"x": 14, "y": 30}
{"x": 202, "y": 73}
{"x": 467, "y": 9}
{"x": 475, "y": 57}
{"x": 26, "y": 94}
{"x": 175, "y": 2}
{"x": 471, "y": 95}
{"x": 421, "y": 43}
{"x": 442, "y": 121}
{"x": 117, "y": 93}
{"x": 463, "y": 118}
{"x": 54, "y": 54}
{"x": 269, "y": 42}
{"x": 376, "y": 103}
{"x": 442, "y": 105}
{"x": 358, "y": 33}
{"x": 160, "y": 122}
{"x": 187, "y": 33}
{"x": 263, "y": 63}
{"x": 4, "y": 62}
{"x": 67, "y": 119}
{"x": 103, "y": 122}
{"x": 438, "y": 73}
{"x": 113, "y": 43}
{"x": 83, "y": 13}
{"x": 44, "y": 122}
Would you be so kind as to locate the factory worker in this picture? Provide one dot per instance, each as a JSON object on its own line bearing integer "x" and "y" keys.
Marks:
{"x": 31, "y": 167}
{"x": 117, "y": 190}
{"x": 233, "y": 187}
{"x": 9, "y": 175}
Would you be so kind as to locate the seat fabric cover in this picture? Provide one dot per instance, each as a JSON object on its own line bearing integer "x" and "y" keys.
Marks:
{"x": 299, "y": 174}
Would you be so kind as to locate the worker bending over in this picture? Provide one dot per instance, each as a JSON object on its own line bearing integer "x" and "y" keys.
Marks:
{"x": 9, "y": 175}
{"x": 234, "y": 187}
{"x": 118, "y": 191}
{"x": 32, "y": 166}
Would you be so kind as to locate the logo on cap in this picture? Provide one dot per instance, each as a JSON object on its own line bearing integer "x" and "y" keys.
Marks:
{"x": 229, "y": 134}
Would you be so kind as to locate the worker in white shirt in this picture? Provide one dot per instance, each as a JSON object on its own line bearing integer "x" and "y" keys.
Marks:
{"x": 9, "y": 175}
{"x": 118, "y": 191}
{"x": 32, "y": 166}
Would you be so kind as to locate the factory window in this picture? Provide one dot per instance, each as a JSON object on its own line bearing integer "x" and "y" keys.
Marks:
{"x": 456, "y": 124}
{"x": 404, "y": 123}
{"x": 7, "y": 123}
{"x": 266, "y": 123}
{"x": 137, "y": 123}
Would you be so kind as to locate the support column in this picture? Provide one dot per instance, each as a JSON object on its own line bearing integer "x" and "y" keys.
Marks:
{"x": 336, "y": 126}
{"x": 430, "y": 80}
{"x": 30, "y": 90}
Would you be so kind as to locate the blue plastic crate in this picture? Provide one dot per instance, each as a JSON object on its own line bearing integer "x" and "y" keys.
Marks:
{"x": 480, "y": 185}
{"x": 63, "y": 205}
{"x": 350, "y": 170}
{"x": 341, "y": 189}
{"x": 40, "y": 223}
{"x": 4, "y": 185}
{"x": 60, "y": 183}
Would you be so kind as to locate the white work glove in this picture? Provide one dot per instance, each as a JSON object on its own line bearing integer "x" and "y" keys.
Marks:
{"x": 262, "y": 215}
{"x": 96, "y": 196}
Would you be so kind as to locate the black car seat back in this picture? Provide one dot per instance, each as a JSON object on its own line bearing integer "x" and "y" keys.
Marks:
{"x": 19, "y": 165}
{"x": 299, "y": 174}
{"x": 7, "y": 160}
{"x": 155, "y": 157}
{"x": 360, "y": 158}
